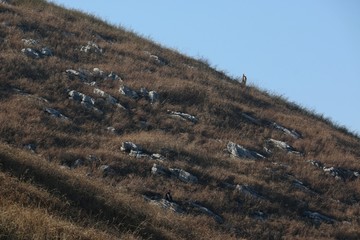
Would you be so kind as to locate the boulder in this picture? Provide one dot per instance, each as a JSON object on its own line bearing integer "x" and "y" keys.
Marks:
{"x": 341, "y": 173}
{"x": 157, "y": 169}
{"x": 130, "y": 146}
{"x": 30, "y": 42}
{"x": 91, "y": 47}
{"x": 241, "y": 152}
{"x": 107, "y": 170}
{"x": 183, "y": 175}
{"x": 124, "y": 90}
{"x": 318, "y": 218}
{"x": 165, "y": 204}
{"x": 153, "y": 97}
{"x": 271, "y": 143}
{"x": 110, "y": 99}
{"x": 114, "y": 77}
{"x": 183, "y": 116}
{"x": 293, "y": 133}
{"x": 46, "y": 52}
{"x": 78, "y": 96}
{"x": 80, "y": 74}
{"x": 337, "y": 172}
{"x": 55, "y": 113}
{"x": 31, "y": 53}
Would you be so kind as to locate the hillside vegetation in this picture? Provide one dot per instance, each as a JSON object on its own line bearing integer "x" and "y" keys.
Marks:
{"x": 97, "y": 124}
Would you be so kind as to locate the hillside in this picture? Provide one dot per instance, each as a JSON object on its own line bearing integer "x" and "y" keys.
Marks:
{"x": 97, "y": 124}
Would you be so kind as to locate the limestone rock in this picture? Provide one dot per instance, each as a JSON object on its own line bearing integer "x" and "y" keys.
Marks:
{"x": 318, "y": 218}
{"x": 124, "y": 90}
{"x": 183, "y": 175}
{"x": 337, "y": 172}
{"x": 293, "y": 133}
{"x": 241, "y": 152}
{"x": 30, "y": 42}
{"x": 91, "y": 47}
{"x": 271, "y": 143}
{"x": 130, "y": 146}
{"x": 107, "y": 170}
{"x": 183, "y": 116}
{"x": 110, "y": 99}
{"x": 55, "y": 113}
{"x": 114, "y": 77}
{"x": 31, "y": 53}
{"x": 46, "y": 52}
{"x": 157, "y": 169}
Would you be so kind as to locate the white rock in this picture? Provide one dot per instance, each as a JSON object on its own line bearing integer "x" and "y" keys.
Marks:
{"x": 183, "y": 175}
{"x": 124, "y": 90}
{"x": 241, "y": 152}
{"x": 183, "y": 116}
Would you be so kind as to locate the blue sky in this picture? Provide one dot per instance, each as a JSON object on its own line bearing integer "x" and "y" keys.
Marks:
{"x": 306, "y": 51}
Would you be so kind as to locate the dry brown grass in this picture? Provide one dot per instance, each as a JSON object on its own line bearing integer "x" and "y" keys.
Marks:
{"x": 42, "y": 199}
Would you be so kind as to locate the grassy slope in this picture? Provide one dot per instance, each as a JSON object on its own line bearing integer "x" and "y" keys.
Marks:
{"x": 40, "y": 200}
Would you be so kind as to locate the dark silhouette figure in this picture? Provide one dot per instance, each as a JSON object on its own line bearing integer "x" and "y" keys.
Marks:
{"x": 243, "y": 80}
{"x": 168, "y": 196}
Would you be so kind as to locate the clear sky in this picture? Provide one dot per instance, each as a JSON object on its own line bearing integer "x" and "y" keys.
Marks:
{"x": 307, "y": 51}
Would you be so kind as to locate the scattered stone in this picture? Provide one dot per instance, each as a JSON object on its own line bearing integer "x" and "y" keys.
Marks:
{"x": 97, "y": 72}
{"x": 114, "y": 77}
{"x": 153, "y": 97}
{"x": 124, "y": 90}
{"x": 337, "y": 172}
{"x": 183, "y": 116}
{"x": 318, "y": 218}
{"x": 301, "y": 186}
{"x": 31, "y": 147}
{"x": 271, "y": 143}
{"x": 30, "y": 42}
{"x": 77, "y": 96}
{"x": 163, "y": 203}
{"x": 91, "y": 47}
{"x": 183, "y": 175}
{"x": 341, "y": 173}
{"x": 31, "y": 53}
{"x": 248, "y": 191}
{"x": 204, "y": 210}
{"x": 55, "y": 113}
{"x": 157, "y": 156}
{"x": 111, "y": 129}
{"x": 78, "y": 163}
{"x": 130, "y": 146}
{"x": 316, "y": 163}
{"x": 46, "y": 52}
{"x": 159, "y": 60}
{"x": 293, "y": 133}
{"x": 107, "y": 170}
{"x": 110, "y": 99}
{"x": 241, "y": 152}
{"x": 157, "y": 169}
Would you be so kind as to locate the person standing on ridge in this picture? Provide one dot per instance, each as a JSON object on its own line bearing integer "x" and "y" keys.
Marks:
{"x": 243, "y": 80}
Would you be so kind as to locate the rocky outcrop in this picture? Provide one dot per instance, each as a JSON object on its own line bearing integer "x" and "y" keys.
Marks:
{"x": 164, "y": 204}
{"x": 183, "y": 116}
{"x": 157, "y": 59}
{"x": 318, "y": 218}
{"x": 35, "y": 52}
{"x": 91, "y": 47}
{"x": 107, "y": 170}
{"x": 241, "y": 152}
{"x": 151, "y": 96}
{"x": 183, "y": 175}
{"x": 337, "y": 172}
{"x": 126, "y": 91}
{"x": 272, "y": 143}
{"x": 108, "y": 98}
{"x": 293, "y": 133}
{"x": 180, "y": 174}
{"x": 55, "y": 113}
{"x": 87, "y": 101}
